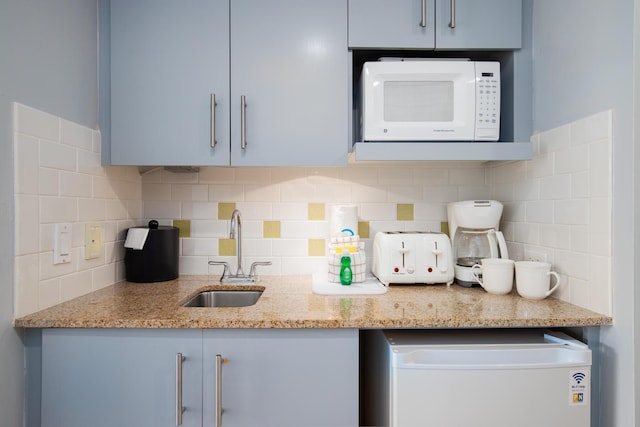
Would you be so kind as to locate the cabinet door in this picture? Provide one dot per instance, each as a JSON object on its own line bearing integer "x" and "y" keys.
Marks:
{"x": 392, "y": 24}
{"x": 289, "y": 58}
{"x": 479, "y": 24}
{"x": 282, "y": 378}
{"x": 167, "y": 58}
{"x": 119, "y": 377}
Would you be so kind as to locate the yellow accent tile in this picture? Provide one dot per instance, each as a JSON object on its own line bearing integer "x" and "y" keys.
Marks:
{"x": 316, "y": 211}
{"x": 317, "y": 247}
{"x": 405, "y": 211}
{"x": 444, "y": 227}
{"x": 225, "y": 210}
{"x": 271, "y": 229}
{"x": 184, "y": 226}
{"x": 363, "y": 229}
{"x": 227, "y": 247}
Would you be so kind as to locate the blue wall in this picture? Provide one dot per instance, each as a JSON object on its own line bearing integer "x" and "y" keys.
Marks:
{"x": 583, "y": 57}
{"x": 48, "y": 54}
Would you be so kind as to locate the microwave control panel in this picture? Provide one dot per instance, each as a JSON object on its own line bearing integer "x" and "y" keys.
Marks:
{"x": 487, "y": 101}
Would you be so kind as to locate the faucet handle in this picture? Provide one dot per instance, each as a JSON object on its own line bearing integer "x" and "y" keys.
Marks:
{"x": 226, "y": 270}
{"x": 252, "y": 271}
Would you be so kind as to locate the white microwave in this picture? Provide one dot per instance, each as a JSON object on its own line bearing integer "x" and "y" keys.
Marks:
{"x": 430, "y": 100}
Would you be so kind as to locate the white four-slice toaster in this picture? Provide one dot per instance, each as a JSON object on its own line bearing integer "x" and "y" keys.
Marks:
{"x": 412, "y": 257}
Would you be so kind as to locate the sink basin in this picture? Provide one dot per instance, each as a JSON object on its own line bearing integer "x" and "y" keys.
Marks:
{"x": 224, "y": 298}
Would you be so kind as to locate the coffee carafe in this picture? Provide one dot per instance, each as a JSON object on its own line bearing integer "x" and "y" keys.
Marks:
{"x": 473, "y": 227}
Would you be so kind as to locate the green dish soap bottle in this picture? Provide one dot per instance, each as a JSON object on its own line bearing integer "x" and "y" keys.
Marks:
{"x": 346, "y": 275}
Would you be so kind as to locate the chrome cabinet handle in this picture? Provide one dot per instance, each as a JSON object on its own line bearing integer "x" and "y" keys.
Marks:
{"x": 243, "y": 122}
{"x": 179, "y": 407}
{"x": 423, "y": 18}
{"x": 213, "y": 120}
{"x": 452, "y": 23}
{"x": 219, "y": 362}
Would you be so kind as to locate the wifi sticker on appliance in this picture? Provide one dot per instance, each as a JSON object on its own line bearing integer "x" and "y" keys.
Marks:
{"x": 579, "y": 386}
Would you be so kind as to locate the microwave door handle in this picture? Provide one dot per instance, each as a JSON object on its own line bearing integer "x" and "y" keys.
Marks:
{"x": 423, "y": 18}
{"x": 452, "y": 23}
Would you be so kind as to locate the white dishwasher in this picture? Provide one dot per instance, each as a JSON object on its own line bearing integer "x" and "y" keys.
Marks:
{"x": 475, "y": 378}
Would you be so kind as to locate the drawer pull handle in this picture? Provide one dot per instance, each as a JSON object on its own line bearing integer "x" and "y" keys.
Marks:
{"x": 179, "y": 408}
{"x": 423, "y": 14}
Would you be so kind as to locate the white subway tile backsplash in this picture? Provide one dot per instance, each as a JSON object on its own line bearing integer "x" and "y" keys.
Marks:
{"x": 539, "y": 211}
{"x": 75, "y": 184}
{"x": 76, "y": 135}
{"x": 580, "y": 185}
{"x": 75, "y": 285}
{"x": 57, "y": 156}
{"x": 555, "y": 139}
{"x": 209, "y": 228}
{"x": 556, "y": 203}
{"x": 571, "y": 159}
{"x": 556, "y": 187}
{"x": 156, "y": 191}
{"x": 404, "y": 194}
{"x": 592, "y": 128}
{"x": 468, "y": 177}
{"x": 189, "y": 192}
{"x": 27, "y": 167}
{"x": 571, "y": 169}
{"x": 199, "y": 210}
{"x": 55, "y": 166}
{"x": 162, "y": 210}
{"x": 30, "y": 121}
{"x": 92, "y": 210}
{"x": 48, "y": 182}
{"x": 572, "y": 212}
{"x": 27, "y": 225}
{"x": 294, "y": 211}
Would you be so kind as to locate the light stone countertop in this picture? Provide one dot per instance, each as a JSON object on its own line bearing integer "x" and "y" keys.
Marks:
{"x": 288, "y": 302}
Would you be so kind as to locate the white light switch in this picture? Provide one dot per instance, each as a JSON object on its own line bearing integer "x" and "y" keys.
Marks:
{"x": 62, "y": 243}
{"x": 92, "y": 241}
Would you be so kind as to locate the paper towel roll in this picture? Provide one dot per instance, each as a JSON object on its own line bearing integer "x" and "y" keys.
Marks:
{"x": 343, "y": 217}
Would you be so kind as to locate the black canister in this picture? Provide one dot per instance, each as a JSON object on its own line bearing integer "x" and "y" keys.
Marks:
{"x": 157, "y": 261}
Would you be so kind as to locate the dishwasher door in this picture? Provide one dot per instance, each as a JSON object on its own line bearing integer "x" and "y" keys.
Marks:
{"x": 480, "y": 380}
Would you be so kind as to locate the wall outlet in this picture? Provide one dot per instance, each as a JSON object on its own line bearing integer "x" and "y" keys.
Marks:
{"x": 92, "y": 241}
{"x": 535, "y": 255}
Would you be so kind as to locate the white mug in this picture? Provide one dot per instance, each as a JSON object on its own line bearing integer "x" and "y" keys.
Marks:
{"x": 533, "y": 279}
{"x": 497, "y": 275}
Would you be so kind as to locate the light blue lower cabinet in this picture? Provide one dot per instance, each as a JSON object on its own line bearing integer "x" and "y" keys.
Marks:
{"x": 247, "y": 378}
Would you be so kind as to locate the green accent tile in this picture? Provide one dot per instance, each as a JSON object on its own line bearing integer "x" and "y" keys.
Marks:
{"x": 271, "y": 229}
{"x": 317, "y": 247}
{"x": 225, "y": 210}
{"x": 444, "y": 227}
{"x": 316, "y": 211}
{"x": 363, "y": 229}
{"x": 405, "y": 211}
{"x": 227, "y": 247}
{"x": 184, "y": 226}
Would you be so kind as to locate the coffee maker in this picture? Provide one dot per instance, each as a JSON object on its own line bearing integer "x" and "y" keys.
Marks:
{"x": 473, "y": 227}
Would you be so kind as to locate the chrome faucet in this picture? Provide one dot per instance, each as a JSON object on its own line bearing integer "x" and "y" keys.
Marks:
{"x": 236, "y": 233}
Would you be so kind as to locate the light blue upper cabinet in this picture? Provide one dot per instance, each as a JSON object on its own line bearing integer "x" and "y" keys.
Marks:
{"x": 289, "y": 62}
{"x": 392, "y": 24}
{"x": 435, "y": 24}
{"x": 478, "y": 24}
{"x": 287, "y": 58}
{"x": 167, "y": 59}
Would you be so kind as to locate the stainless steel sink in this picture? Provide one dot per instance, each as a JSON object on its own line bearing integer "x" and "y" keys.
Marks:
{"x": 224, "y": 298}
